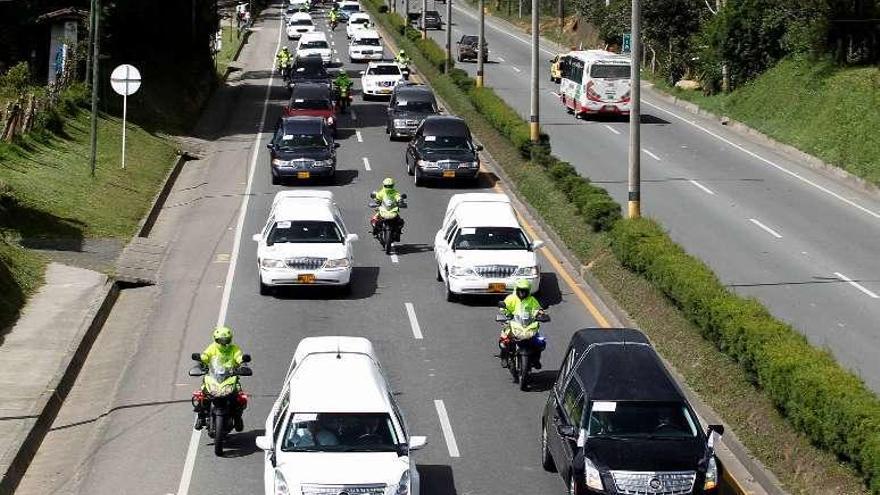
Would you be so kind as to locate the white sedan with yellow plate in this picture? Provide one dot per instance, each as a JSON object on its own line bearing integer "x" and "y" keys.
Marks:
{"x": 304, "y": 242}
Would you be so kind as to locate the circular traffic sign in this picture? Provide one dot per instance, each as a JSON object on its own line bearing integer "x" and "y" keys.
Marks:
{"x": 125, "y": 79}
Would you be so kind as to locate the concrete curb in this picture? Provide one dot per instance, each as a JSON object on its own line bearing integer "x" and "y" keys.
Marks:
{"x": 52, "y": 399}
{"x": 146, "y": 224}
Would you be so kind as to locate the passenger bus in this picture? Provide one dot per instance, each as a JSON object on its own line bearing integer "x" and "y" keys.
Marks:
{"x": 595, "y": 82}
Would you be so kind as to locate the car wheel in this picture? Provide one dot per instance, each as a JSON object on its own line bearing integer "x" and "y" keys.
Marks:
{"x": 409, "y": 168}
{"x": 345, "y": 289}
{"x": 439, "y": 275}
{"x": 265, "y": 290}
{"x": 546, "y": 458}
{"x": 418, "y": 180}
{"x": 450, "y": 296}
{"x": 572, "y": 486}
{"x": 275, "y": 180}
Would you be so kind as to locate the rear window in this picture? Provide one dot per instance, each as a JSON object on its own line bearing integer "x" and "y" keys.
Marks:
{"x": 641, "y": 420}
{"x": 610, "y": 71}
{"x": 311, "y": 104}
{"x": 367, "y": 41}
{"x": 384, "y": 70}
{"x": 301, "y": 22}
{"x": 312, "y": 45}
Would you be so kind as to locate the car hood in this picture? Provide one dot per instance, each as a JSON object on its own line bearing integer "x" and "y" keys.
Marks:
{"x": 474, "y": 257}
{"x": 311, "y": 153}
{"x": 404, "y": 114}
{"x": 645, "y": 455}
{"x": 461, "y": 156}
{"x": 341, "y": 468}
{"x": 286, "y": 250}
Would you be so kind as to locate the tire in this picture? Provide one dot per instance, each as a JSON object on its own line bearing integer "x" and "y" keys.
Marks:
{"x": 524, "y": 371}
{"x": 219, "y": 434}
{"x": 514, "y": 365}
{"x": 418, "y": 180}
{"x": 409, "y": 168}
{"x": 450, "y": 296}
{"x": 386, "y": 240}
{"x": 546, "y": 457}
{"x": 265, "y": 290}
{"x": 439, "y": 275}
{"x": 345, "y": 289}
{"x": 275, "y": 180}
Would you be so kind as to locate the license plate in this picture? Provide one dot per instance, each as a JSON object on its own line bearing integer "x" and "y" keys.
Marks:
{"x": 385, "y": 91}
{"x": 610, "y": 108}
{"x": 451, "y": 173}
{"x": 306, "y": 278}
{"x": 497, "y": 287}
{"x": 302, "y": 175}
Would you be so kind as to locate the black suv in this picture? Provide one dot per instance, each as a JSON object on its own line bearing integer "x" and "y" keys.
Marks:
{"x": 302, "y": 148}
{"x": 309, "y": 69}
{"x": 409, "y": 105}
{"x": 616, "y": 422}
{"x": 442, "y": 148}
{"x": 467, "y": 48}
{"x": 432, "y": 20}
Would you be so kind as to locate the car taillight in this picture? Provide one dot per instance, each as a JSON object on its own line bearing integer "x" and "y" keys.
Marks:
{"x": 197, "y": 398}
{"x": 242, "y": 399}
{"x": 591, "y": 93}
{"x": 625, "y": 98}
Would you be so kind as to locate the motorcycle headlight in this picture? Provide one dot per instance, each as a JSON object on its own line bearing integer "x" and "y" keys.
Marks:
{"x": 427, "y": 164}
{"x": 403, "y": 486}
{"x": 281, "y": 484}
{"x": 280, "y": 163}
{"x": 527, "y": 271}
{"x": 399, "y": 122}
{"x": 711, "y": 475}
{"x": 270, "y": 263}
{"x": 592, "y": 477}
{"x": 462, "y": 271}
{"x": 340, "y": 263}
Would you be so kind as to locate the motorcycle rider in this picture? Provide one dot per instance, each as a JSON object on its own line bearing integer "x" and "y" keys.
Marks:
{"x": 283, "y": 60}
{"x": 521, "y": 302}
{"x": 402, "y": 58}
{"x": 230, "y": 356}
{"x": 343, "y": 85}
{"x": 334, "y": 17}
{"x": 389, "y": 200}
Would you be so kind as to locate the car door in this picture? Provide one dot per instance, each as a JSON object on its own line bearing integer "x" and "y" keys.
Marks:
{"x": 443, "y": 245}
{"x": 411, "y": 156}
{"x": 570, "y": 410}
{"x": 274, "y": 425}
{"x": 261, "y": 244}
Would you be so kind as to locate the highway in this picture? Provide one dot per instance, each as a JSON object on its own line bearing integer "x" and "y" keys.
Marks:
{"x": 483, "y": 432}
{"x": 801, "y": 243}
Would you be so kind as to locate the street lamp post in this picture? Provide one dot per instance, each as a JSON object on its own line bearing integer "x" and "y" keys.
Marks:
{"x": 448, "y": 36}
{"x": 634, "y": 202}
{"x": 534, "y": 121}
{"x": 480, "y": 43}
{"x": 424, "y": 24}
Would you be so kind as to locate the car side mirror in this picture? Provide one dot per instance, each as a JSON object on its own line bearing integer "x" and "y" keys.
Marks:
{"x": 246, "y": 358}
{"x": 270, "y": 146}
{"x": 567, "y": 432}
{"x": 711, "y": 432}
{"x": 362, "y": 72}
{"x": 256, "y": 237}
{"x": 196, "y": 356}
{"x": 351, "y": 237}
{"x": 264, "y": 442}
{"x": 582, "y": 438}
{"x": 537, "y": 244}
{"x": 542, "y": 317}
{"x": 417, "y": 442}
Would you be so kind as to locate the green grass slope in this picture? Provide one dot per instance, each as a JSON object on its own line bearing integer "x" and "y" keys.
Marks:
{"x": 830, "y": 112}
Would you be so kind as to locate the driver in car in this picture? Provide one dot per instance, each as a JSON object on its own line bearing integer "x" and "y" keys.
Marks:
{"x": 313, "y": 435}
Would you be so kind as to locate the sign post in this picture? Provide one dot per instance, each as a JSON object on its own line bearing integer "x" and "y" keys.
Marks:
{"x": 126, "y": 80}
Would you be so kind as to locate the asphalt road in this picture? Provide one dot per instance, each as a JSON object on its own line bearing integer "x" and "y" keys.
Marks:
{"x": 801, "y": 243}
{"x": 146, "y": 445}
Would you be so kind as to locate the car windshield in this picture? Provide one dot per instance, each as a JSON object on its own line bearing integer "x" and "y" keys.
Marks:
{"x": 501, "y": 238}
{"x": 301, "y": 22}
{"x": 311, "y": 104}
{"x": 469, "y": 40}
{"x": 454, "y": 143}
{"x": 641, "y": 419}
{"x": 610, "y": 71}
{"x": 384, "y": 70}
{"x": 415, "y": 106}
{"x": 305, "y": 232}
{"x": 367, "y": 41}
{"x": 310, "y": 70}
{"x": 289, "y": 142}
{"x": 311, "y": 45}
{"x": 360, "y": 20}
{"x": 351, "y": 8}
{"x": 432, "y": 15}
{"x": 339, "y": 432}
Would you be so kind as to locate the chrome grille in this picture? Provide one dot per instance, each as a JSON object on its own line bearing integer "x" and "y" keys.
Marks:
{"x": 646, "y": 483}
{"x": 377, "y": 489}
{"x": 495, "y": 271}
{"x": 302, "y": 163}
{"x": 305, "y": 263}
{"x": 448, "y": 164}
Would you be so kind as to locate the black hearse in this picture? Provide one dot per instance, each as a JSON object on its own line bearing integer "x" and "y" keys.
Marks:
{"x": 616, "y": 422}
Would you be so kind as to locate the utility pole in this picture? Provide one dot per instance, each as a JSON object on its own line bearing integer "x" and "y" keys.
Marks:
{"x": 634, "y": 202}
{"x": 448, "y": 36}
{"x": 91, "y": 40}
{"x": 424, "y": 26}
{"x": 560, "y": 11}
{"x": 407, "y": 12}
{"x": 96, "y": 50}
{"x": 725, "y": 68}
{"x": 481, "y": 42}
{"x": 534, "y": 121}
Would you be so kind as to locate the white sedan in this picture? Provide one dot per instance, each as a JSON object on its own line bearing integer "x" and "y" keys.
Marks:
{"x": 380, "y": 78}
{"x": 304, "y": 242}
{"x": 357, "y": 21}
{"x": 314, "y": 43}
{"x": 298, "y": 24}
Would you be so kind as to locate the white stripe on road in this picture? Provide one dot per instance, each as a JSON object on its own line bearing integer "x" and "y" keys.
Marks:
{"x": 446, "y": 426}
{"x": 192, "y": 450}
{"x": 652, "y": 155}
{"x": 500, "y": 59}
{"x": 765, "y": 228}
{"x": 367, "y": 163}
{"x": 704, "y": 188}
{"x": 615, "y": 131}
{"x": 856, "y": 285}
{"x": 413, "y": 321}
{"x": 359, "y": 137}
{"x": 394, "y": 258}
{"x": 515, "y": 68}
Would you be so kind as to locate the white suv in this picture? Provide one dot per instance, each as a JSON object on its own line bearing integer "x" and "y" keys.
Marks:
{"x": 366, "y": 44}
{"x": 304, "y": 242}
{"x": 298, "y": 24}
{"x": 380, "y": 78}
{"x": 482, "y": 249}
{"x": 314, "y": 43}
{"x": 336, "y": 428}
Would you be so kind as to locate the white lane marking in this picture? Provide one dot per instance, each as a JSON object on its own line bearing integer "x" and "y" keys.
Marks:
{"x": 856, "y": 285}
{"x": 772, "y": 164}
{"x": 615, "y": 131}
{"x": 446, "y": 426}
{"x": 704, "y": 188}
{"x": 515, "y": 68}
{"x": 500, "y": 59}
{"x": 394, "y": 258}
{"x": 192, "y": 450}
{"x": 367, "y": 164}
{"x": 359, "y": 137}
{"x": 652, "y": 155}
{"x": 765, "y": 228}
{"x": 413, "y": 321}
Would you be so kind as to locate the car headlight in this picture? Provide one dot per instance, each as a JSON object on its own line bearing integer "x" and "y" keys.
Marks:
{"x": 462, "y": 271}
{"x": 399, "y": 122}
{"x": 270, "y": 263}
{"x": 592, "y": 477}
{"x": 340, "y": 263}
{"x": 711, "y": 475}
{"x": 280, "y": 484}
{"x": 403, "y": 485}
{"x": 527, "y": 271}
{"x": 473, "y": 164}
{"x": 427, "y": 164}
{"x": 324, "y": 163}
{"x": 280, "y": 163}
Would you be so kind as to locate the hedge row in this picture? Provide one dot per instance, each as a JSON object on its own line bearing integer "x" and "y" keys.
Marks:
{"x": 827, "y": 403}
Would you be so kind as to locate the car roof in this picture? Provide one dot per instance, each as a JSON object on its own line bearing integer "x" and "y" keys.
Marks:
{"x": 619, "y": 364}
{"x": 599, "y": 56}
{"x": 303, "y": 209}
{"x": 414, "y": 93}
{"x": 310, "y": 90}
{"x": 486, "y": 215}
{"x": 445, "y": 125}
{"x": 359, "y": 14}
{"x": 314, "y": 35}
{"x": 301, "y": 15}
{"x": 366, "y": 33}
{"x": 325, "y": 344}
{"x": 338, "y": 382}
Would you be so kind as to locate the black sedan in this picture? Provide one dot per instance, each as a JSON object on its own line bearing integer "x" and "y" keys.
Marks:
{"x": 302, "y": 148}
{"x": 443, "y": 149}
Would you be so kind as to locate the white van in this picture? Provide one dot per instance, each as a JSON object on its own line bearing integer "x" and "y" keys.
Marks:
{"x": 595, "y": 82}
{"x": 366, "y": 44}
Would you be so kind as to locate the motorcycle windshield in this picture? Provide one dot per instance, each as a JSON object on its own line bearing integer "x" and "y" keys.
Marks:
{"x": 221, "y": 378}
